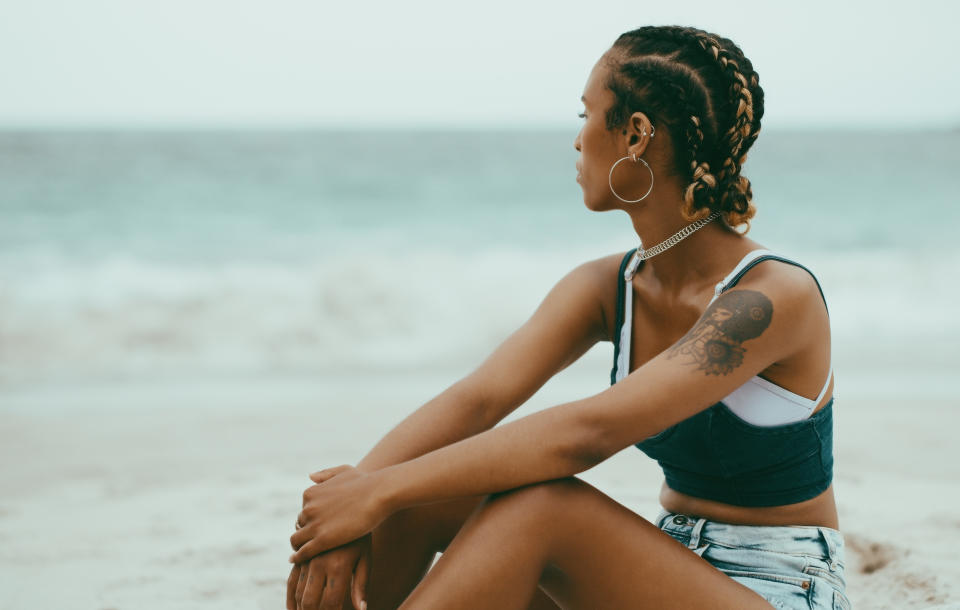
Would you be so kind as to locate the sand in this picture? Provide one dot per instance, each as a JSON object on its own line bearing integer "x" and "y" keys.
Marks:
{"x": 183, "y": 495}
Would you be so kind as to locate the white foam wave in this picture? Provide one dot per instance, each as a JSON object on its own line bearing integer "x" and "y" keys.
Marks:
{"x": 373, "y": 310}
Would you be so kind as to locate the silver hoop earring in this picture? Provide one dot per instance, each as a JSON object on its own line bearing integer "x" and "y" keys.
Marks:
{"x": 610, "y": 179}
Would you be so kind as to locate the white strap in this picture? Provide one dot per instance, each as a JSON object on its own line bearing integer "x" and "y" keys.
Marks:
{"x": 623, "y": 358}
{"x": 825, "y": 386}
{"x": 746, "y": 260}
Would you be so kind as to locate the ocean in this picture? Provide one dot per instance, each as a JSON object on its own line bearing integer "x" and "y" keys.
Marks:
{"x": 134, "y": 255}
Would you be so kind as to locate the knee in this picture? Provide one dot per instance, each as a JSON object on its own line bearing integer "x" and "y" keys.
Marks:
{"x": 405, "y": 526}
{"x": 537, "y": 497}
{"x": 429, "y": 525}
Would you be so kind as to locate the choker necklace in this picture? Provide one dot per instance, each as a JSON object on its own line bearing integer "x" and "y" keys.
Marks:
{"x": 642, "y": 254}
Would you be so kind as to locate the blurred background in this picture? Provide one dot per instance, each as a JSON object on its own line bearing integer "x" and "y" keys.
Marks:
{"x": 240, "y": 241}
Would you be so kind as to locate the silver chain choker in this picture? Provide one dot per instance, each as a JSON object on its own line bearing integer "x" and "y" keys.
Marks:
{"x": 642, "y": 254}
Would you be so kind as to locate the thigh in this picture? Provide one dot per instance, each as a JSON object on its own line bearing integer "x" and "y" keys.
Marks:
{"x": 601, "y": 554}
{"x": 434, "y": 524}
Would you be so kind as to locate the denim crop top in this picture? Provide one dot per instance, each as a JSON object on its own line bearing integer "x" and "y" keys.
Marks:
{"x": 717, "y": 455}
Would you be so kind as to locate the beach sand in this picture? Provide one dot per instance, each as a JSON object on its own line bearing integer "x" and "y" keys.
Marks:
{"x": 183, "y": 495}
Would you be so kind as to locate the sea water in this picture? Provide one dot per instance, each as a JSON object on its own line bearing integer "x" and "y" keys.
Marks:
{"x": 138, "y": 254}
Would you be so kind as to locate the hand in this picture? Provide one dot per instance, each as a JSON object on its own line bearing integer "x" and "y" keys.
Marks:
{"x": 321, "y": 582}
{"x": 343, "y": 506}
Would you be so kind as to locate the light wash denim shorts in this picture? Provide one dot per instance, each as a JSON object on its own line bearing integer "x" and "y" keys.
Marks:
{"x": 792, "y": 567}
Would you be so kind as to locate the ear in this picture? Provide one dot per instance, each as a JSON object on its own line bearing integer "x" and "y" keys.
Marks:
{"x": 638, "y": 133}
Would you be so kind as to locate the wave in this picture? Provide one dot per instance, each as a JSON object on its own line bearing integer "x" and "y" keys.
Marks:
{"x": 374, "y": 309}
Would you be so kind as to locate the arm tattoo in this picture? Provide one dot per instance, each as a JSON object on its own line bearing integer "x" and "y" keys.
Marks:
{"x": 714, "y": 344}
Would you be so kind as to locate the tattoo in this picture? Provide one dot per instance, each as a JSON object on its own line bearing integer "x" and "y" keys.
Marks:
{"x": 714, "y": 344}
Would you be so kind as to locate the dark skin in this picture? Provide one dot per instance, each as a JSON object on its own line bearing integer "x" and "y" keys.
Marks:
{"x": 517, "y": 528}
{"x": 672, "y": 289}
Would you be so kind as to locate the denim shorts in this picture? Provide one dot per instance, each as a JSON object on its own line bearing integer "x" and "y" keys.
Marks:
{"x": 792, "y": 567}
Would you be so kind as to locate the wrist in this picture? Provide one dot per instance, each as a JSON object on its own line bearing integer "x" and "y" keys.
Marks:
{"x": 386, "y": 489}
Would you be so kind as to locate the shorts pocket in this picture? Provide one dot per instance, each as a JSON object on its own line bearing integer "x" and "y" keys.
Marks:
{"x": 840, "y": 601}
{"x": 834, "y": 578}
{"x": 782, "y": 591}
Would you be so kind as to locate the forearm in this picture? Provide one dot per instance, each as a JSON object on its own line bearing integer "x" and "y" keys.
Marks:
{"x": 549, "y": 444}
{"x": 454, "y": 414}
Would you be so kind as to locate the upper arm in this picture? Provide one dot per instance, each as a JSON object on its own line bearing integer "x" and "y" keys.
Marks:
{"x": 745, "y": 330}
{"x": 567, "y": 323}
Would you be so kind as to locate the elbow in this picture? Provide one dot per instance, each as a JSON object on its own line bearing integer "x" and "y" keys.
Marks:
{"x": 588, "y": 443}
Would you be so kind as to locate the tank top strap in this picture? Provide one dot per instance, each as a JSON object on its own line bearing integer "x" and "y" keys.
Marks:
{"x": 739, "y": 270}
{"x": 751, "y": 259}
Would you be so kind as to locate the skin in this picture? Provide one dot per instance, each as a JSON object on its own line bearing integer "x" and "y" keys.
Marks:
{"x": 517, "y": 529}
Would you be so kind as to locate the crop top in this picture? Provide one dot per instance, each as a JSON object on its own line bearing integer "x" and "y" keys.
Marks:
{"x": 758, "y": 446}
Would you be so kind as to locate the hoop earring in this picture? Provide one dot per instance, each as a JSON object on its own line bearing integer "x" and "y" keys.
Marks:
{"x": 610, "y": 179}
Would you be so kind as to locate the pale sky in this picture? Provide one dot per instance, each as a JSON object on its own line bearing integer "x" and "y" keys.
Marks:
{"x": 444, "y": 63}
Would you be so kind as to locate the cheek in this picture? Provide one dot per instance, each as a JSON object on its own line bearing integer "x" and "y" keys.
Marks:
{"x": 593, "y": 147}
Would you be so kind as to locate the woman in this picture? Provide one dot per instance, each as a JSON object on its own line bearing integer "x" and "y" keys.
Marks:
{"x": 719, "y": 374}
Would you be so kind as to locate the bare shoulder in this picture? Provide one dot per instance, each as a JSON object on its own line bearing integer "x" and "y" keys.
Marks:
{"x": 786, "y": 278}
{"x": 571, "y": 318}
{"x": 598, "y": 277}
{"x": 794, "y": 289}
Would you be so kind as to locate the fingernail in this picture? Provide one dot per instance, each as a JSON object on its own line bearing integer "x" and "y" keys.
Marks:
{"x": 363, "y": 604}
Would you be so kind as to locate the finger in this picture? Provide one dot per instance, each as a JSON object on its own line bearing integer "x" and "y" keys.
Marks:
{"x": 300, "y": 537}
{"x": 335, "y": 589}
{"x": 292, "y": 582}
{"x": 308, "y": 551}
{"x": 301, "y": 583}
{"x": 316, "y": 579}
{"x": 322, "y": 475}
{"x": 360, "y": 574}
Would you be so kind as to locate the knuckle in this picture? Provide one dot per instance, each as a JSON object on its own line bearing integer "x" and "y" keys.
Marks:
{"x": 332, "y": 600}
{"x": 311, "y": 596}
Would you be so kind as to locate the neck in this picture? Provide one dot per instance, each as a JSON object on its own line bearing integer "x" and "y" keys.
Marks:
{"x": 701, "y": 257}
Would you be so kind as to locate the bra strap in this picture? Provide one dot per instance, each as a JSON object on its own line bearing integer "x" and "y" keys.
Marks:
{"x": 825, "y": 386}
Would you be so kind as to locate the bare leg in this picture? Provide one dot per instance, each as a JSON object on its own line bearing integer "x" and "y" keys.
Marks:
{"x": 582, "y": 547}
{"x": 406, "y": 543}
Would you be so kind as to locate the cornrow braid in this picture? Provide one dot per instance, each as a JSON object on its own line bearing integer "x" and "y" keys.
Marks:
{"x": 677, "y": 87}
{"x": 737, "y": 186}
{"x": 734, "y": 107}
{"x": 740, "y": 94}
{"x": 735, "y": 194}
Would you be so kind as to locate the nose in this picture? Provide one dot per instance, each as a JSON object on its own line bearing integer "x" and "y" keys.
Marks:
{"x": 576, "y": 142}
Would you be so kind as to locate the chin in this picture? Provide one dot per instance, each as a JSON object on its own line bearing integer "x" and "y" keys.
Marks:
{"x": 596, "y": 204}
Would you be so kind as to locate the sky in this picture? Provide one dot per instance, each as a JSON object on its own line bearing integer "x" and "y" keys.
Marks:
{"x": 513, "y": 64}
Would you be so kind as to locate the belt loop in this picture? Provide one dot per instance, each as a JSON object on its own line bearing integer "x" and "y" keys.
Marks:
{"x": 831, "y": 549}
{"x": 661, "y": 517}
{"x": 695, "y": 534}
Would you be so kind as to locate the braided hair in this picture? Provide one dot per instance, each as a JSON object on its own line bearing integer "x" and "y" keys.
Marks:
{"x": 705, "y": 89}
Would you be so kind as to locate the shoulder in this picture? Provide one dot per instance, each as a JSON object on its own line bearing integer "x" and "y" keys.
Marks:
{"x": 790, "y": 278}
{"x": 595, "y": 282}
{"x": 793, "y": 292}
{"x": 601, "y": 272}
